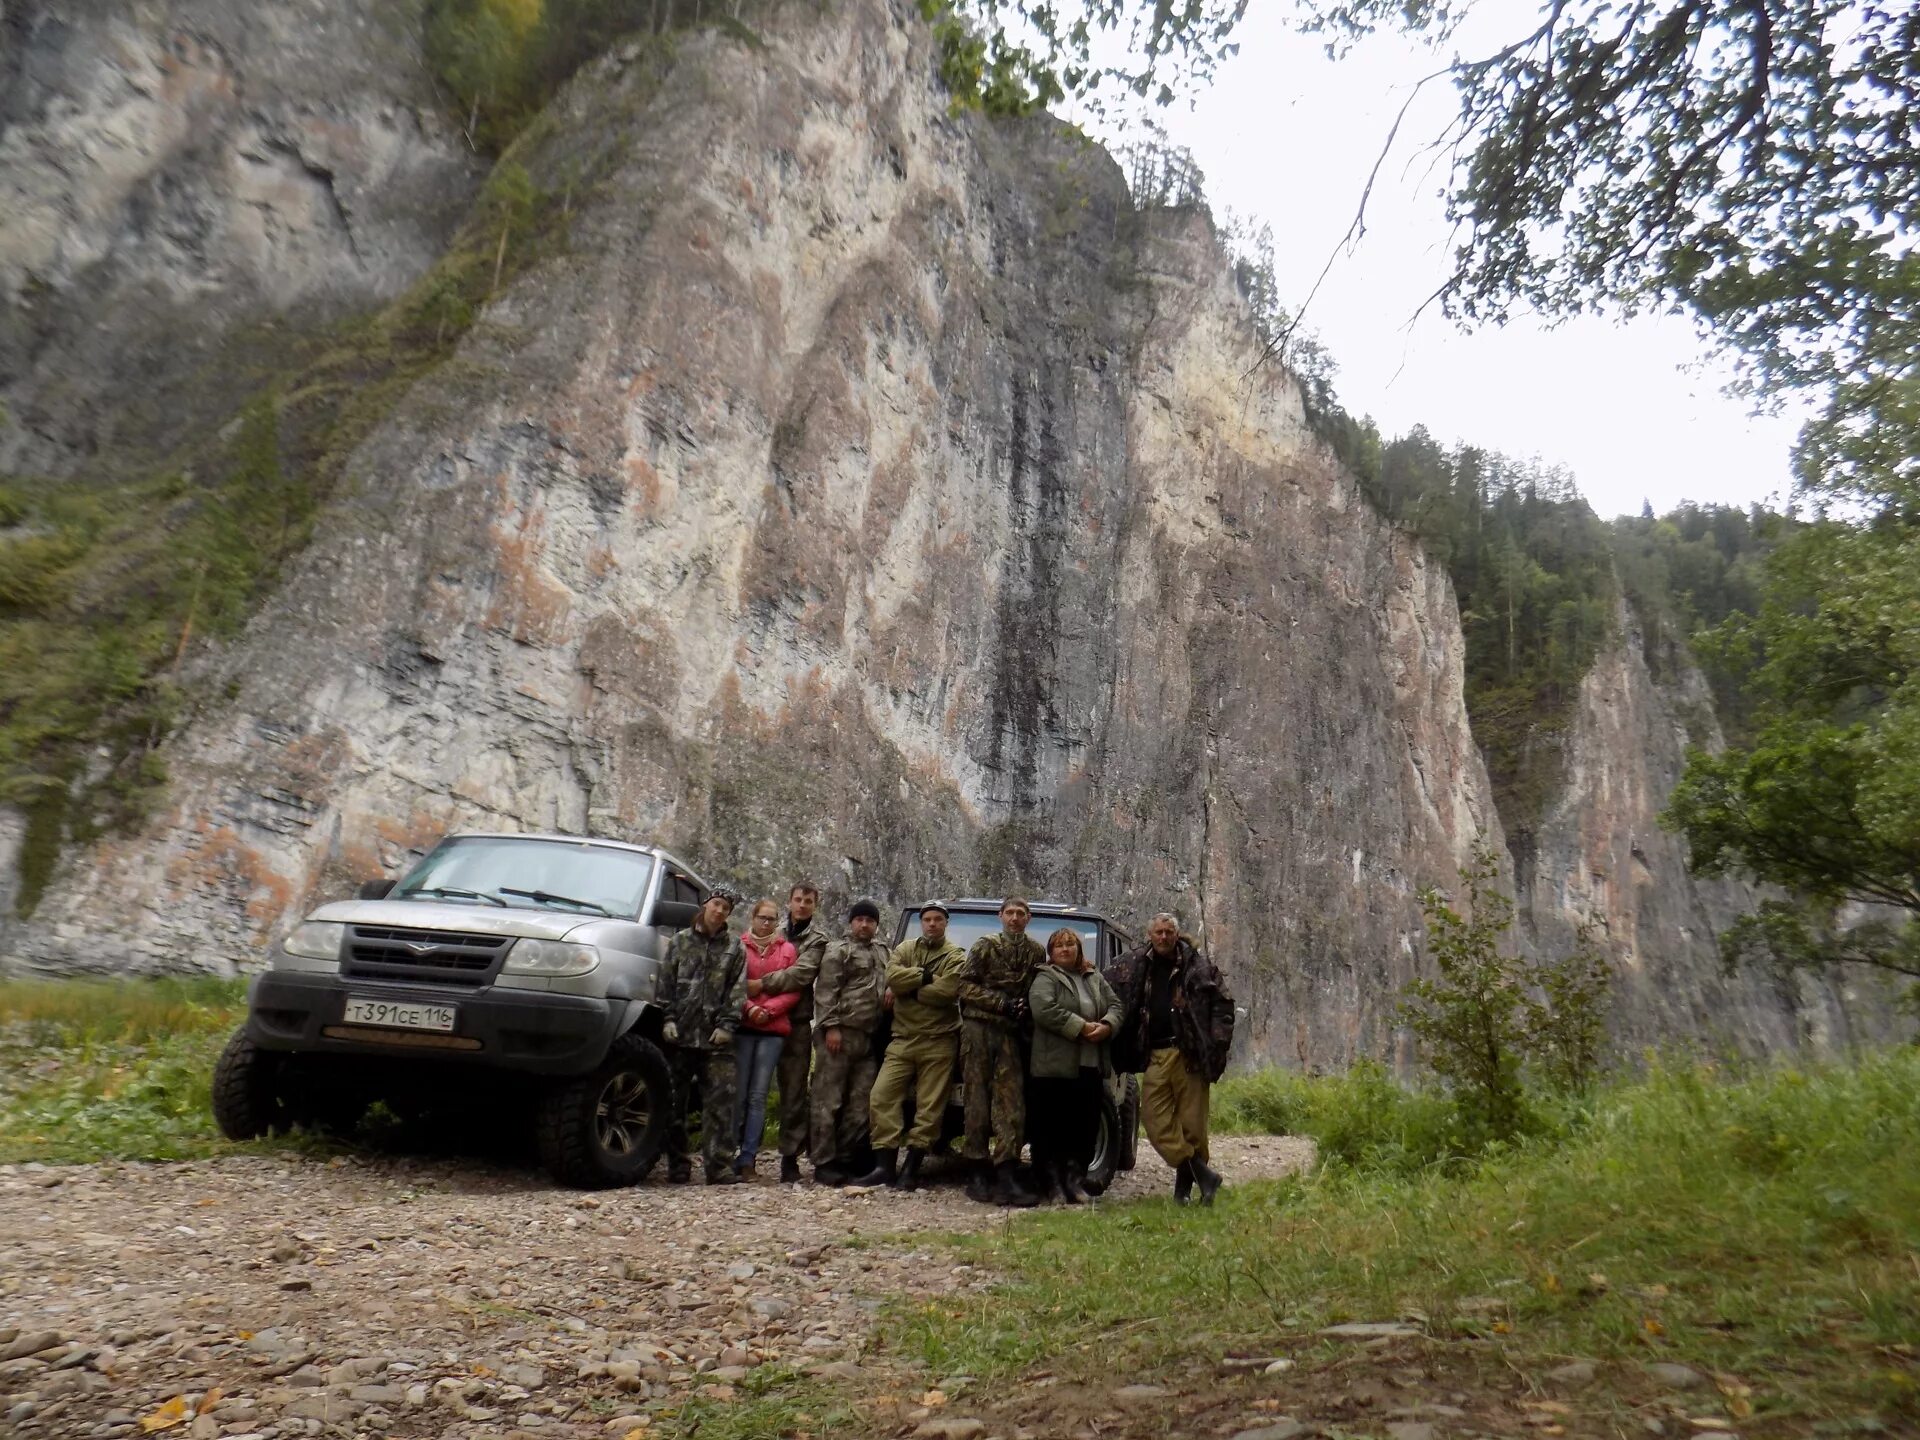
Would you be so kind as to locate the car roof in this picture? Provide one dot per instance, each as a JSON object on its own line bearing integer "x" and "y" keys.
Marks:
{"x": 564, "y": 839}
{"x": 976, "y": 904}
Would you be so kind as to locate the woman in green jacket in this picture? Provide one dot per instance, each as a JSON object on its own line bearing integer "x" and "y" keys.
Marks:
{"x": 1075, "y": 1013}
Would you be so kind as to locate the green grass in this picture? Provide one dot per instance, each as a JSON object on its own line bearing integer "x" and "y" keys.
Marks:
{"x": 93, "y": 1070}
{"x": 1760, "y": 1227}
{"x": 1360, "y": 1120}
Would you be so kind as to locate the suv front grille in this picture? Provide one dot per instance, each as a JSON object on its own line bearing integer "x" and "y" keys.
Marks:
{"x": 445, "y": 957}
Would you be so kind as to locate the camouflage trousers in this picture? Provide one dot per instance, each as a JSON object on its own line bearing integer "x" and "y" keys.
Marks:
{"x": 713, "y": 1073}
{"x": 842, "y": 1087}
{"x": 795, "y": 1056}
{"x": 993, "y": 1079}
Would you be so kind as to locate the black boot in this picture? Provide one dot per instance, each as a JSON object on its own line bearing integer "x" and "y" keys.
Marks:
{"x": 832, "y": 1172}
{"x": 909, "y": 1180}
{"x": 1008, "y": 1190}
{"x": 679, "y": 1172}
{"x": 1183, "y": 1182}
{"x": 789, "y": 1170}
{"x": 980, "y": 1183}
{"x": 1210, "y": 1180}
{"x": 882, "y": 1172}
{"x": 1045, "y": 1184}
{"x": 1070, "y": 1191}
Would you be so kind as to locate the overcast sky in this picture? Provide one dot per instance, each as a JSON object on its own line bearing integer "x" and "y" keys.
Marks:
{"x": 1635, "y": 409}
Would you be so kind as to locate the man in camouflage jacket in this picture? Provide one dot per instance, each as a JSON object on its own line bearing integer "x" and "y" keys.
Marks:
{"x": 703, "y": 990}
{"x": 993, "y": 1065}
{"x": 809, "y": 937}
{"x": 1176, "y": 1024}
{"x": 850, "y": 999}
{"x": 923, "y": 976}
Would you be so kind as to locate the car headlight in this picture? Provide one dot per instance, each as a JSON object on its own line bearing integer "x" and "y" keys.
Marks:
{"x": 550, "y": 957}
{"x": 316, "y": 940}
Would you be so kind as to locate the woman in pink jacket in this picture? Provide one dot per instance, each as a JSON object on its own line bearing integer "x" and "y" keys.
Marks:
{"x": 764, "y": 1026}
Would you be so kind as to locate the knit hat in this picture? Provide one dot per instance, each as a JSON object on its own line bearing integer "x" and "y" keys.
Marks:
{"x": 864, "y": 907}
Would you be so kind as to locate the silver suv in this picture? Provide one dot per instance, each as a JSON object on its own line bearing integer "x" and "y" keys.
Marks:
{"x": 520, "y": 964}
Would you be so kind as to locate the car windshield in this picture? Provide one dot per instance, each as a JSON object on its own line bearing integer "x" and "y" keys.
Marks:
{"x": 565, "y": 875}
{"x": 966, "y": 926}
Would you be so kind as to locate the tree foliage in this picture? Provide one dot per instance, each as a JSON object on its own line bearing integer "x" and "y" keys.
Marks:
{"x": 1488, "y": 1014}
{"x": 1825, "y": 799}
{"x": 501, "y": 60}
{"x": 1754, "y": 161}
{"x": 1532, "y": 567}
{"x": 1017, "y": 56}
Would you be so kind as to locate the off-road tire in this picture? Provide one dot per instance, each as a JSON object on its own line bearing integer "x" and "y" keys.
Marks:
{"x": 1130, "y": 1124}
{"x": 1109, "y": 1142}
{"x": 570, "y": 1123}
{"x": 246, "y": 1090}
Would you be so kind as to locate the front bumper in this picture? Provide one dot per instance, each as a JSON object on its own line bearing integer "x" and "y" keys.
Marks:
{"x": 526, "y": 1030}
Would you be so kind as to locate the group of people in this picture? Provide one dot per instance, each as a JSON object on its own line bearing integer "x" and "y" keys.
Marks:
{"x": 855, "y": 1033}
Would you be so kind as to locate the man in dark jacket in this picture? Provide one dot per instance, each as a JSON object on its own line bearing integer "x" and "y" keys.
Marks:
{"x": 1177, "y": 1026}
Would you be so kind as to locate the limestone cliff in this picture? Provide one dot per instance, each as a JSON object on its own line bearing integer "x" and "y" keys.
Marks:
{"x": 177, "y": 177}
{"x": 1599, "y": 858}
{"x": 866, "y": 493}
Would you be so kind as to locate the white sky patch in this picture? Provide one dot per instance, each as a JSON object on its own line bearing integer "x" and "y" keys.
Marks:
{"x": 1635, "y": 408}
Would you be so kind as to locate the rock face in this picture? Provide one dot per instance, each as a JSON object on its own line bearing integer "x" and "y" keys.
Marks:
{"x": 176, "y": 178}
{"x": 1599, "y": 858}
{"x": 871, "y": 495}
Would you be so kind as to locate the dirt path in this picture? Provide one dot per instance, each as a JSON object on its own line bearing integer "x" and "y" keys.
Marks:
{"x": 429, "y": 1298}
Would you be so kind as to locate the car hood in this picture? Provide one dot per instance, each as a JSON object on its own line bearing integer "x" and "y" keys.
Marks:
{"x": 445, "y": 915}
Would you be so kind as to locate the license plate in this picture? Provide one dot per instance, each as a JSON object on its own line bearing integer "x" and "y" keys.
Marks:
{"x": 398, "y": 1014}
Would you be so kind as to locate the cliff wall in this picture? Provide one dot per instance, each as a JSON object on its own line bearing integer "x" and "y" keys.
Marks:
{"x": 860, "y": 492}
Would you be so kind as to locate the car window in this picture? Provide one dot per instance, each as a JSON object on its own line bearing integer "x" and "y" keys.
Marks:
{"x": 682, "y": 889}
{"x": 601, "y": 877}
{"x": 966, "y": 926}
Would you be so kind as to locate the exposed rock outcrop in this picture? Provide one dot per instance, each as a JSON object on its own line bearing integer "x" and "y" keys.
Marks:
{"x": 176, "y": 180}
{"x": 1599, "y": 858}
{"x": 864, "y": 493}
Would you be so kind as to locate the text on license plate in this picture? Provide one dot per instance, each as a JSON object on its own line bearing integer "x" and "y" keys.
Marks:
{"x": 398, "y": 1013}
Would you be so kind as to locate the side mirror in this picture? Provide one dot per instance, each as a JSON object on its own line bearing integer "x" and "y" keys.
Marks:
{"x": 375, "y": 890}
{"x": 673, "y": 914}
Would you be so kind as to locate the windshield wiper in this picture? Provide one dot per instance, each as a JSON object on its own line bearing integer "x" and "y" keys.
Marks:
{"x": 458, "y": 894}
{"x": 547, "y": 897}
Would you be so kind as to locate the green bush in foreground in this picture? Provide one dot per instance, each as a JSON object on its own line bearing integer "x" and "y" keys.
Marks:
{"x": 1758, "y": 1226}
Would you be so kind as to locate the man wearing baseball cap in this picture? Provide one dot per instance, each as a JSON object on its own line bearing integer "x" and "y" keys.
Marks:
{"x": 850, "y": 999}
{"x": 924, "y": 980}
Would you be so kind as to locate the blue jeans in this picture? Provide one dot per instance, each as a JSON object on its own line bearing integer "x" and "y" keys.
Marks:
{"x": 755, "y": 1057}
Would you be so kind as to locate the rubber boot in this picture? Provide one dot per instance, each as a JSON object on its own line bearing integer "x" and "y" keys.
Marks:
{"x": 1070, "y": 1190}
{"x": 882, "y": 1172}
{"x": 1210, "y": 1180}
{"x": 1008, "y": 1190}
{"x": 789, "y": 1170}
{"x": 909, "y": 1180}
{"x": 1183, "y": 1183}
{"x": 980, "y": 1183}
{"x": 679, "y": 1172}
{"x": 722, "y": 1175}
{"x": 1044, "y": 1185}
{"x": 832, "y": 1172}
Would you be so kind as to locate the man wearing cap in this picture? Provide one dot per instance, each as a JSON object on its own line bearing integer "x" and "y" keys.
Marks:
{"x": 993, "y": 1063}
{"x": 850, "y": 999}
{"x": 924, "y": 980}
{"x": 702, "y": 987}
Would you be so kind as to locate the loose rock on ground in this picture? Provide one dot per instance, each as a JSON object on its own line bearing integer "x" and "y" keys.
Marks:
{"x": 281, "y": 1296}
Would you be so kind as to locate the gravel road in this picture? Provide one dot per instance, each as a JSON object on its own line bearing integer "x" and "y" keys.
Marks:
{"x": 367, "y": 1296}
